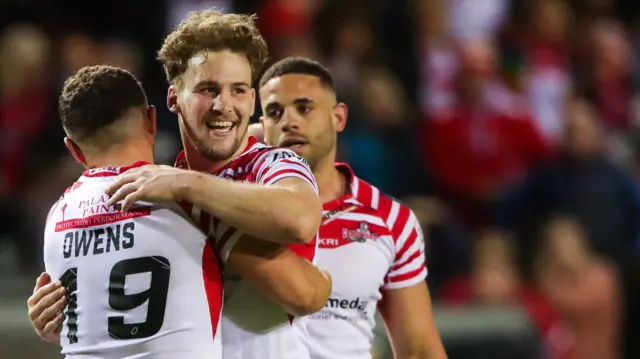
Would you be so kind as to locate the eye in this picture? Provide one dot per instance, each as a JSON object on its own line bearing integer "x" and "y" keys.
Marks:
{"x": 303, "y": 109}
{"x": 275, "y": 113}
{"x": 209, "y": 90}
{"x": 239, "y": 90}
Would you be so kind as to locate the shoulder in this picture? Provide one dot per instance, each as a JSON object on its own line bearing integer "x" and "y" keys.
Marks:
{"x": 270, "y": 155}
{"x": 397, "y": 218}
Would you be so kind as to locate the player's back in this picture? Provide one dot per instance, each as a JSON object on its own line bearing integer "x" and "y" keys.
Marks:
{"x": 141, "y": 284}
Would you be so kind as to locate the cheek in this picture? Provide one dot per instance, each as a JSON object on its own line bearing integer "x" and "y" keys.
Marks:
{"x": 271, "y": 134}
{"x": 197, "y": 105}
{"x": 244, "y": 106}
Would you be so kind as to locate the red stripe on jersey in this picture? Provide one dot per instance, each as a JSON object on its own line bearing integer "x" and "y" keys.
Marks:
{"x": 401, "y": 221}
{"x": 268, "y": 180}
{"x": 384, "y": 208}
{"x": 213, "y": 285}
{"x": 407, "y": 244}
{"x": 405, "y": 276}
{"x": 102, "y": 219}
{"x": 259, "y": 167}
{"x": 409, "y": 260}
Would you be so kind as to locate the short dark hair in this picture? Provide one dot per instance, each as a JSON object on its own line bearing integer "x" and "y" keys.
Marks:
{"x": 213, "y": 31}
{"x": 96, "y": 97}
{"x": 300, "y": 66}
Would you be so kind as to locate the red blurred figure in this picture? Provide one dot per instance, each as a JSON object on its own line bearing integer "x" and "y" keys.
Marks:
{"x": 485, "y": 142}
{"x": 583, "y": 289}
{"x": 495, "y": 281}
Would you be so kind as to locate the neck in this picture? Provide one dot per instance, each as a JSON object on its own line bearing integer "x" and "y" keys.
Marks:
{"x": 332, "y": 184}
{"x": 198, "y": 162}
{"x": 121, "y": 155}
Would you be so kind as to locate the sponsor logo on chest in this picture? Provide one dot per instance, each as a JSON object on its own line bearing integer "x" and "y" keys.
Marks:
{"x": 337, "y": 237}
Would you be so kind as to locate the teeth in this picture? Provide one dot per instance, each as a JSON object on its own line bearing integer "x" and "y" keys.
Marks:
{"x": 221, "y": 126}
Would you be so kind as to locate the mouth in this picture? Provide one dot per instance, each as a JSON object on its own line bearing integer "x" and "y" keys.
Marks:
{"x": 293, "y": 143}
{"x": 220, "y": 127}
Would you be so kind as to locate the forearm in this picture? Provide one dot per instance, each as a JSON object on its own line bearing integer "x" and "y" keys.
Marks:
{"x": 421, "y": 353}
{"x": 271, "y": 213}
{"x": 289, "y": 280}
{"x": 303, "y": 293}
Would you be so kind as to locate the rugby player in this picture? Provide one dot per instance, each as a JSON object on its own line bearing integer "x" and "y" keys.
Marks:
{"x": 145, "y": 283}
{"x": 371, "y": 244}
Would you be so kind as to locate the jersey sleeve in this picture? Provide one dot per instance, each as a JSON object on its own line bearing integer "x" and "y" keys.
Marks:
{"x": 225, "y": 237}
{"x": 279, "y": 163}
{"x": 409, "y": 266}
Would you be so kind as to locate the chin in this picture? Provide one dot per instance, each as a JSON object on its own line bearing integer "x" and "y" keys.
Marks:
{"x": 220, "y": 153}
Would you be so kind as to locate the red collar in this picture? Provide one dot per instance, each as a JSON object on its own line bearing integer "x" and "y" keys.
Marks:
{"x": 111, "y": 171}
{"x": 350, "y": 197}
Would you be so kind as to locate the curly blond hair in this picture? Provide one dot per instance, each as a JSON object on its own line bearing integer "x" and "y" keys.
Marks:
{"x": 212, "y": 30}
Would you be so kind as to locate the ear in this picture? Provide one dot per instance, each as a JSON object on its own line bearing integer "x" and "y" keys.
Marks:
{"x": 256, "y": 130}
{"x": 172, "y": 100}
{"x": 253, "y": 101}
{"x": 151, "y": 116}
{"x": 75, "y": 150}
{"x": 340, "y": 113}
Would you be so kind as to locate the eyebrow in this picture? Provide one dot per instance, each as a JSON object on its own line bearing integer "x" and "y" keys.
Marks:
{"x": 298, "y": 101}
{"x": 217, "y": 84}
{"x": 302, "y": 101}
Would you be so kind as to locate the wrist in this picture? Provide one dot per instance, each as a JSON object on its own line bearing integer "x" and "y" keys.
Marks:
{"x": 184, "y": 183}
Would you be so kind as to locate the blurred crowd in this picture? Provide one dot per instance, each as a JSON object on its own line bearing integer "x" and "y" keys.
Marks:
{"x": 511, "y": 128}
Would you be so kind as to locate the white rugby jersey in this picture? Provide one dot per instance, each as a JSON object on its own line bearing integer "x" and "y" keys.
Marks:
{"x": 141, "y": 284}
{"x": 368, "y": 242}
{"x": 253, "y": 325}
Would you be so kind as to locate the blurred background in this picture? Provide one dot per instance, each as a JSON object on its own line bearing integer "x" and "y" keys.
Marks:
{"x": 511, "y": 128}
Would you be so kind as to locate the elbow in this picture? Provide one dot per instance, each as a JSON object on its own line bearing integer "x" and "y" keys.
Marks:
{"x": 304, "y": 223}
{"x": 305, "y": 307}
{"x": 312, "y": 299}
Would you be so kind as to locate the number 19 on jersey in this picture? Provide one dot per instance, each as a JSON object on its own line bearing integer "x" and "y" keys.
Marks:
{"x": 155, "y": 296}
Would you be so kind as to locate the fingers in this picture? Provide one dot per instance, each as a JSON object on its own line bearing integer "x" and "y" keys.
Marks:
{"x": 50, "y": 314}
{"x": 45, "y": 309}
{"x": 123, "y": 192}
{"x": 131, "y": 199}
{"x": 42, "y": 292}
{"x": 128, "y": 177}
{"x": 41, "y": 281}
{"x": 53, "y": 328}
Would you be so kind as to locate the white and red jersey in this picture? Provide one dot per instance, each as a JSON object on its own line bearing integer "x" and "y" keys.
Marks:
{"x": 369, "y": 243}
{"x": 141, "y": 284}
{"x": 253, "y": 325}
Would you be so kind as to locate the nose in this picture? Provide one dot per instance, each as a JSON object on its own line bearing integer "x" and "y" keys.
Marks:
{"x": 221, "y": 103}
{"x": 290, "y": 121}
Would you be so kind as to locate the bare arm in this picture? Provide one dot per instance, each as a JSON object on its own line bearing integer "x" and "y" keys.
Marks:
{"x": 289, "y": 211}
{"x": 409, "y": 320}
{"x": 297, "y": 285}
